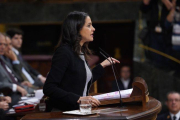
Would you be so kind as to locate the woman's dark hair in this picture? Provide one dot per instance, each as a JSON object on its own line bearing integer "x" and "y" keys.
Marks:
{"x": 70, "y": 33}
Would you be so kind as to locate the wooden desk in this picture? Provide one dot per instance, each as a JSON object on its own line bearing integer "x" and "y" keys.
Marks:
{"x": 19, "y": 115}
{"x": 135, "y": 112}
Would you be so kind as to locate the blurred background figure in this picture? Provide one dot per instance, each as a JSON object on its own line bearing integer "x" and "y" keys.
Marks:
{"x": 173, "y": 104}
{"x": 30, "y": 74}
{"x": 125, "y": 82}
{"x": 8, "y": 78}
{"x": 155, "y": 12}
{"x": 12, "y": 60}
{"x": 32, "y": 36}
{"x": 172, "y": 26}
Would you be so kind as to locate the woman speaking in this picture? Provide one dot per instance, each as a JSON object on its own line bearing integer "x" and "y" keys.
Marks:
{"x": 70, "y": 78}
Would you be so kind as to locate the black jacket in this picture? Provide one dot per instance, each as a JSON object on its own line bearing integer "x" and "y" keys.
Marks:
{"x": 17, "y": 69}
{"x": 165, "y": 116}
{"x": 34, "y": 73}
{"x": 66, "y": 80}
{"x": 121, "y": 86}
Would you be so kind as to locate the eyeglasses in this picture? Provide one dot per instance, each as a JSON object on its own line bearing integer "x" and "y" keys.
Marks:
{"x": 3, "y": 44}
{"x": 171, "y": 100}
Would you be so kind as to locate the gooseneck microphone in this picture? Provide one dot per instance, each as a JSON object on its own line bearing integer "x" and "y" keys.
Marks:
{"x": 106, "y": 55}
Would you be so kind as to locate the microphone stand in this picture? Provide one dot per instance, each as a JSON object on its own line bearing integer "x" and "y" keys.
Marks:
{"x": 112, "y": 65}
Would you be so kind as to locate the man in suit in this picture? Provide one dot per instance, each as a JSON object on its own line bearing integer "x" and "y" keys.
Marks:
{"x": 31, "y": 74}
{"x": 173, "y": 104}
{"x": 125, "y": 82}
{"x": 8, "y": 78}
{"x": 12, "y": 61}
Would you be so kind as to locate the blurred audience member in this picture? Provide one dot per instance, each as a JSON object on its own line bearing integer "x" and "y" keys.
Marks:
{"x": 125, "y": 82}
{"x": 12, "y": 61}
{"x": 4, "y": 102}
{"x": 8, "y": 77}
{"x": 173, "y": 104}
{"x": 31, "y": 74}
{"x": 172, "y": 25}
{"x": 156, "y": 12}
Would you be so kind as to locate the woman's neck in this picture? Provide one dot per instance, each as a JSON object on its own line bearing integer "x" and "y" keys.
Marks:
{"x": 81, "y": 43}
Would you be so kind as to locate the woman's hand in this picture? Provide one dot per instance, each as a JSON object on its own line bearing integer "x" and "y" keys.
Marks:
{"x": 108, "y": 62}
{"x": 94, "y": 102}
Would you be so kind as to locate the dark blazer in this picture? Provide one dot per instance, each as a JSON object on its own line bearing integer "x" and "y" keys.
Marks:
{"x": 8, "y": 63}
{"x": 32, "y": 72}
{"x": 165, "y": 116}
{"x": 26, "y": 66}
{"x": 5, "y": 80}
{"x": 66, "y": 80}
{"x": 121, "y": 86}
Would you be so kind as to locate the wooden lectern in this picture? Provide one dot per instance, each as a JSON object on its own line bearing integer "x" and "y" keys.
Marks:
{"x": 139, "y": 94}
{"x": 139, "y": 106}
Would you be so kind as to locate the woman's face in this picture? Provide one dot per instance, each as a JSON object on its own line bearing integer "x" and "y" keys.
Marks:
{"x": 87, "y": 31}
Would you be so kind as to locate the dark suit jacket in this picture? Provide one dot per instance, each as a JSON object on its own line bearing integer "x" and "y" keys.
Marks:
{"x": 8, "y": 63}
{"x": 67, "y": 77}
{"x": 165, "y": 116}
{"x": 121, "y": 86}
{"x": 5, "y": 80}
{"x": 32, "y": 72}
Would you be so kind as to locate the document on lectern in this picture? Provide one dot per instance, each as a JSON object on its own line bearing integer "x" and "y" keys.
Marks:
{"x": 114, "y": 95}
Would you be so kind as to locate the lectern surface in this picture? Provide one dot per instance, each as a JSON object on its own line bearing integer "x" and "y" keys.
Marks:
{"x": 134, "y": 111}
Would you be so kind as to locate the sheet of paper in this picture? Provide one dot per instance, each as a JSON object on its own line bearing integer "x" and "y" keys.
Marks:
{"x": 39, "y": 94}
{"x": 32, "y": 100}
{"x": 114, "y": 95}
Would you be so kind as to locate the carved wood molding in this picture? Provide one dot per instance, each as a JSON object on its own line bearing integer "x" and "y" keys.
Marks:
{"x": 66, "y": 1}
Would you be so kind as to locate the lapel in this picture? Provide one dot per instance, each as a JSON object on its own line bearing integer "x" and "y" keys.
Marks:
{"x": 168, "y": 117}
{"x": 4, "y": 72}
{"x": 8, "y": 61}
{"x": 2, "y": 58}
{"x": 121, "y": 85}
{"x": 130, "y": 84}
{"x": 22, "y": 62}
{"x": 10, "y": 67}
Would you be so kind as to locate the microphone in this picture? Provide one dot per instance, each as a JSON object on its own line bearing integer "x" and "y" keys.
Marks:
{"x": 102, "y": 52}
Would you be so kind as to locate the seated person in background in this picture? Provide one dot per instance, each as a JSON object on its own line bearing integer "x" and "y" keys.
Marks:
{"x": 8, "y": 78}
{"x": 11, "y": 59}
{"x": 30, "y": 73}
{"x": 4, "y": 102}
{"x": 125, "y": 81}
{"x": 173, "y": 104}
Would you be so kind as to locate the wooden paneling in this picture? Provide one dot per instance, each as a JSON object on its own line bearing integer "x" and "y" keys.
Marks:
{"x": 68, "y": 1}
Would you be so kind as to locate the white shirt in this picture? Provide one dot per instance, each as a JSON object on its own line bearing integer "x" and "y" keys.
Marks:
{"x": 88, "y": 74}
{"x": 177, "y": 115}
{"x": 125, "y": 83}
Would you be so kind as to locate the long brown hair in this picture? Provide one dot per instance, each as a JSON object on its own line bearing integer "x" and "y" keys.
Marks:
{"x": 70, "y": 33}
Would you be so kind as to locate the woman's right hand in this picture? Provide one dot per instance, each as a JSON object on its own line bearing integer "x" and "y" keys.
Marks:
{"x": 94, "y": 102}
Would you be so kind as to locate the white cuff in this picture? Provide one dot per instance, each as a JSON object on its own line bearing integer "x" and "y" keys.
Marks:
{"x": 14, "y": 87}
{"x": 39, "y": 76}
{"x": 16, "y": 62}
